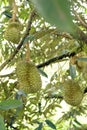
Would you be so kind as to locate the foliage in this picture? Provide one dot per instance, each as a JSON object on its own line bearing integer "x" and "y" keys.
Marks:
{"x": 56, "y": 36}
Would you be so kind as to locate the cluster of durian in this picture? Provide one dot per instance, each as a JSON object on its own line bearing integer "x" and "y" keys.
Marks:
{"x": 72, "y": 92}
{"x": 28, "y": 77}
{"x": 12, "y": 32}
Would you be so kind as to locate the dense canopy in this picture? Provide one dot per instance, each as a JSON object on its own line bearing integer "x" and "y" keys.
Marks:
{"x": 53, "y": 35}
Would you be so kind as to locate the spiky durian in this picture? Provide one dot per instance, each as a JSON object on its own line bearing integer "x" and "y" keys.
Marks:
{"x": 28, "y": 77}
{"x": 72, "y": 92}
{"x": 12, "y": 32}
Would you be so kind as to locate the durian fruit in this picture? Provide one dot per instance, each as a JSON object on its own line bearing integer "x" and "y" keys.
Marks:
{"x": 12, "y": 32}
{"x": 84, "y": 74}
{"x": 81, "y": 64}
{"x": 72, "y": 92}
{"x": 28, "y": 77}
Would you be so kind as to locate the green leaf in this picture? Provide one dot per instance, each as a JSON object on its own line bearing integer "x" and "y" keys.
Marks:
{"x": 77, "y": 122}
{"x": 43, "y": 73}
{"x": 30, "y": 37}
{"x": 39, "y": 127}
{"x": 82, "y": 59}
{"x": 56, "y": 12}
{"x": 72, "y": 71}
{"x": 2, "y": 125}
{"x": 10, "y": 2}
{"x": 50, "y": 124}
{"x": 10, "y": 104}
{"x": 7, "y": 14}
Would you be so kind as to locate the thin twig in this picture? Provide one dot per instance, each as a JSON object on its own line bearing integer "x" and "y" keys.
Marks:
{"x": 28, "y": 28}
{"x": 79, "y": 18}
{"x": 27, "y": 52}
{"x": 55, "y": 96}
{"x": 14, "y": 11}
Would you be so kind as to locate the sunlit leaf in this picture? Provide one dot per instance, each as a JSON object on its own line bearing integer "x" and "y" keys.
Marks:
{"x": 56, "y": 12}
{"x": 50, "y": 124}
{"x": 10, "y": 104}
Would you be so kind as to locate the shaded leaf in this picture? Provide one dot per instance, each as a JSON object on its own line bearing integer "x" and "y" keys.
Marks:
{"x": 49, "y": 123}
{"x": 30, "y": 37}
{"x": 2, "y": 125}
{"x": 56, "y": 12}
{"x": 43, "y": 73}
{"x": 77, "y": 122}
{"x": 19, "y": 94}
{"x": 72, "y": 71}
{"x": 7, "y": 14}
{"x": 82, "y": 59}
{"x": 10, "y": 104}
{"x": 43, "y": 33}
{"x": 39, "y": 127}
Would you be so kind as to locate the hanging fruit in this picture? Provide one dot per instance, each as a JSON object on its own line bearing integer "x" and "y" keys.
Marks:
{"x": 12, "y": 32}
{"x": 72, "y": 92}
{"x": 28, "y": 77}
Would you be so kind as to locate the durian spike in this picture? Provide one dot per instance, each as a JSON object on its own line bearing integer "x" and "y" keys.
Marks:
{"x": 27, "y": 52}
{"x": 14, "y": 11}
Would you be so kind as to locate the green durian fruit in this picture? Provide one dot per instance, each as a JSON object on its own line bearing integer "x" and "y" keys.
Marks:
{"x": 12, "y": 33}
{"x": 15, "y": 24}
{"x": 28, "y": 77}
{"x": 84, "y": 73}
{"x": 72, "y": 92}
{"x": 82, "y": 64}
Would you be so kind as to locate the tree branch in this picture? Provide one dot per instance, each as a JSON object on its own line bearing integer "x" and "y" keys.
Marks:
{"x": 79, "y": 18}
{"x": 50, "y": 61}
{"x": 80, "y": 35}
{"x": 28, "y": 28}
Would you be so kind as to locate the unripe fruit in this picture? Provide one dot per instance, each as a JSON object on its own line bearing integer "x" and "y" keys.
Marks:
{"x": 28, "y": 77}
{"x": 72, "y": 93}
{"x": 84, "y": 74}
{"x": 81, "y": 64}
{"x": 12, "y": 33}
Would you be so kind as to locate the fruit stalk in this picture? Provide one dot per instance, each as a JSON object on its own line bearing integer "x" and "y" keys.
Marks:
{"x": 27, "y": 52}
{"x": 14, "y": 6}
